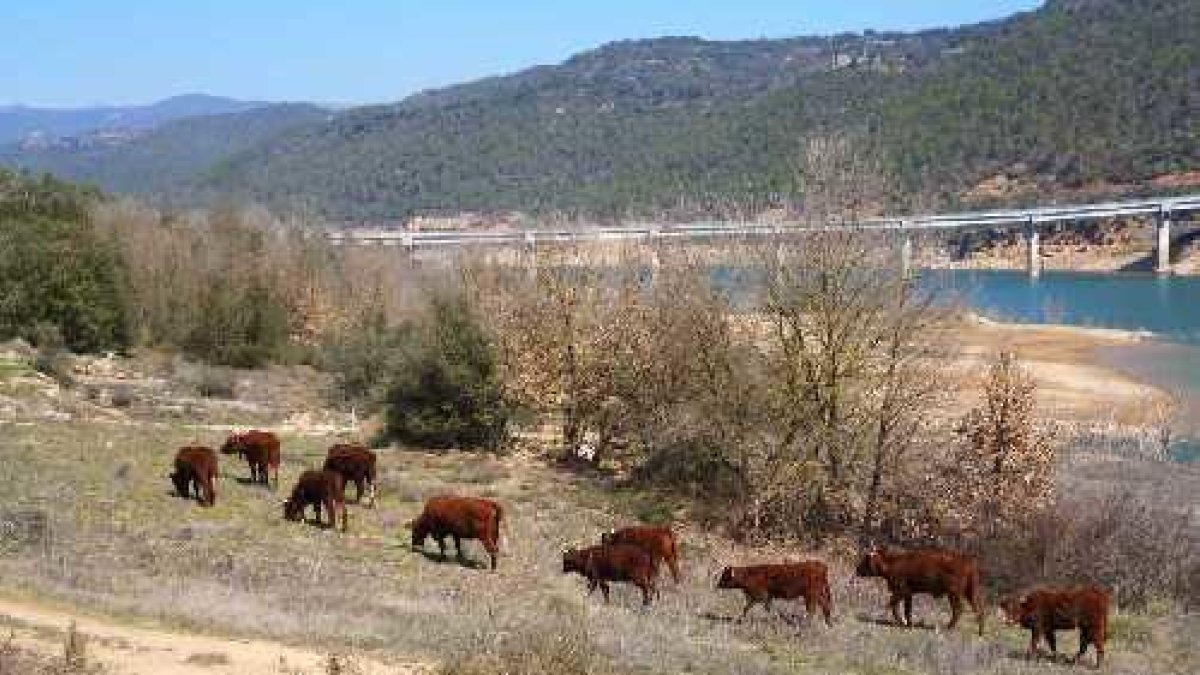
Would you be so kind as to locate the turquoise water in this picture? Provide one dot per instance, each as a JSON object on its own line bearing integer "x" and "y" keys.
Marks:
{"x": 1168, "y": 307}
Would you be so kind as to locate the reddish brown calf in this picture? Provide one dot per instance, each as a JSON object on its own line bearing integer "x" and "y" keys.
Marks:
{"x": 459, "y": 518}
{"x": 317, "y": 489}
{"x": 659, "y": 542}
{"x": 356, "y": 464}
{"x": 1046, "y": 610}
{"x": 933, "y": 571}
{"x": 196, "y": 467}
{"x": 261, "y": 451}
{"x": 764, "y": 583}
{"x": 624, "y": 563}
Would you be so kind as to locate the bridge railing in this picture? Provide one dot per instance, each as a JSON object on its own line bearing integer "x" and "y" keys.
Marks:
{"x": 1163, "y": 207}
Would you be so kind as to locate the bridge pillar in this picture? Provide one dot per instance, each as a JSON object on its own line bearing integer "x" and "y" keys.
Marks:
{"x": 652, "y": 240}
{"x": 1034, "y": 238}
{"x": 1163, "y": 248}
{"x": 906, "y": 252}
{"x": 410, "y": 249}
{"x": 529, "y": 255}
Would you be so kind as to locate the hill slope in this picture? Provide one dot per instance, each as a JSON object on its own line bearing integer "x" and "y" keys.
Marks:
{"x": 1078, "y": 93}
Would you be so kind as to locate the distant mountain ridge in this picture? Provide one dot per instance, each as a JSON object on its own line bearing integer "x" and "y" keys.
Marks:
{"x": 19, "y": 122}
{"x": 159, "y": 160}
{"x": 1078, "y": 93}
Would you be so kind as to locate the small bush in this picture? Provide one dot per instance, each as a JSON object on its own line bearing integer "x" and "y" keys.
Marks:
{"x": 448, "y": 393}
{"x": 363, "y": 358}
{"x": 214, "y": 382}
{"x": 121, "y": 397}
{"x": 557, "y": 650}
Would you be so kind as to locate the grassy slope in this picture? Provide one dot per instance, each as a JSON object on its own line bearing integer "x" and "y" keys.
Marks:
{"x": 123, "y": 544}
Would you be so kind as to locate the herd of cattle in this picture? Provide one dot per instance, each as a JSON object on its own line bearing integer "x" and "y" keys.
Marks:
{"x": 634, "y": 555}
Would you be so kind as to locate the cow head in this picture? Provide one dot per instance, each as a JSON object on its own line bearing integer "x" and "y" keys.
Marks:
{"x": 420, "y": 530}
{"x": 573, "y": 561}
{"x": 232, "y": 445}
{"x": 728, "y": 579}
{"x": 181, "y": 483}
{"x": 871, "y": 565}
{"x": 1013, "y": 610}
{"x": 293, "y": 510}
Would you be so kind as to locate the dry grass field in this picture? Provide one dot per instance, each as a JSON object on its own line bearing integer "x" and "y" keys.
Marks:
{"x": 91, "y": 524}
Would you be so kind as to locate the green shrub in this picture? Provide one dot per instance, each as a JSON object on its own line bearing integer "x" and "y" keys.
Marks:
{"x": 447, "y": 394}
{"x": 61, "y": 273}
{"x": 244, "y": 327}
{"x": 363, "y": 358}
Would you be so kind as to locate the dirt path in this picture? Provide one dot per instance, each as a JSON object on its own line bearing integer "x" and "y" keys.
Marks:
{"x": 126, "y": 649}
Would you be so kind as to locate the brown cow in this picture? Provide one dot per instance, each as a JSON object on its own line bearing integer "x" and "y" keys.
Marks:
{"x": 261, "y": 451}
{"x": 356, "y": 464}
{"x": 1046, "y": 610}
{"x": 764, "y": 583}
{"x": 196, "y": 466}
{"x": 460, "y": 518}
{"x": 934, "y": 571}
{"x": 659, "y": 542}
{"x": 614, "y": 562}
{"x": 317, "y": 488}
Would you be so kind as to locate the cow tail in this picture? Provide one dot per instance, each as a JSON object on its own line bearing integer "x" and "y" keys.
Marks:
{"x": 497, "y": 520}
{"x": 976, "y": 594}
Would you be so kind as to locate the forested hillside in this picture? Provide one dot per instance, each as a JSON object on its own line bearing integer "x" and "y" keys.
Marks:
{"x": 1078, "y": 93}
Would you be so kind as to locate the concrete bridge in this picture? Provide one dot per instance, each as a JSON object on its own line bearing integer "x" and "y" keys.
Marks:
{"x": 1163, "y": 210}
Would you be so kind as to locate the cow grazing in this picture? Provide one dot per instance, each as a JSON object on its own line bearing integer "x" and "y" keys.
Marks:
{"x": 659, "y": 542}
{"x": 459, "y": 518}
{"x": 318, "y": 488}
{"x": 356, "y": 464}
{"x": 261, "y": 451}
{"x": 196, "y": 466}
{"x": 1046, "y": 610}
{"x": 614, "y": 562}
{"x": 764, "y": 583}
{"x": 934, "y": 571}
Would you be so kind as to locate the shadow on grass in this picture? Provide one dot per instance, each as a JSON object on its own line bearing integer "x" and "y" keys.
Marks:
{"x": 434, "y": 556}
{"x": 888, "y": 622}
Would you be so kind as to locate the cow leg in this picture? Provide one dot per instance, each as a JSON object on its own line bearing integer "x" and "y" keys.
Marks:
{"x": 441, "y": 540}
{"x": 749, "y": 603}
{"x": 827, "y": 608}
{"x": 604, "y": 590}
{"x": 1033, "y": 643}
{"x": 1084, "y": 640}
{"x": 317, "y": 508}
{"x": 458, "y": 549}
{"x": 674, "y": 565}
{"x": 956, "y": 608}
{"x": 894, "y": 603}
{"x": 492, "y": 549}
{"x": 810, "y": 606}
{"x": 592, "y": 584}
{"x": 647, "y": 590}
{"x": 1053, "y": 644}
{"x": 908, "y": 603}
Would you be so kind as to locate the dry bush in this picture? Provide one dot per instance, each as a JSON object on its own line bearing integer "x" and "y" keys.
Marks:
{"x": 241, "y": 287}
{"x": 1002, "y": 476}
{"x": 1144, "y": 553}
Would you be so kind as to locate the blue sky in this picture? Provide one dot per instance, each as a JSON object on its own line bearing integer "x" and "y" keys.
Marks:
{"x": 82, "y": 52}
